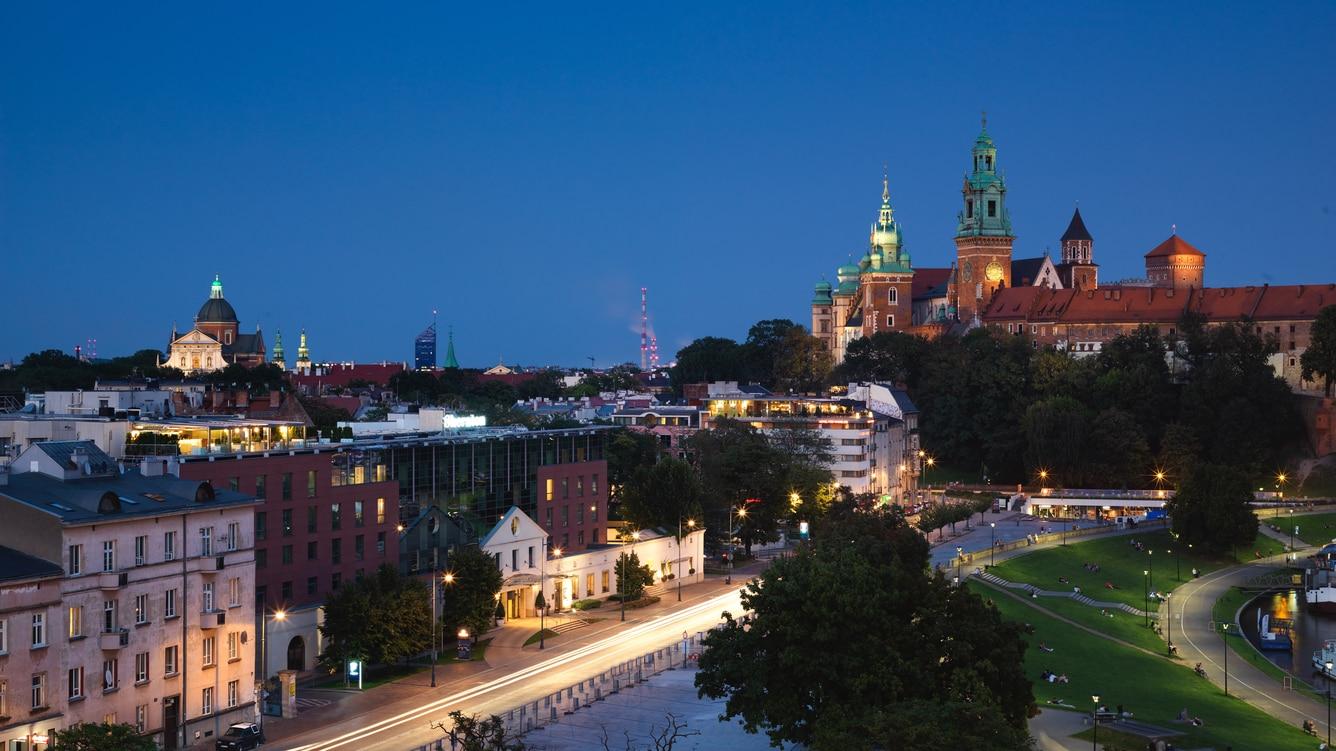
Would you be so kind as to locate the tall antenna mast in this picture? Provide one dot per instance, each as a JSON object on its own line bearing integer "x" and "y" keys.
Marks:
{"x": 644, "y": 328}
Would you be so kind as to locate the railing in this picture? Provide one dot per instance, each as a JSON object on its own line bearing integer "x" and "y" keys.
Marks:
{"x": 581, "y": 695}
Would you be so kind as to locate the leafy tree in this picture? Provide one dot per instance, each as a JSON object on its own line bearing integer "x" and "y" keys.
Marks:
{"x": 869, "y": 570}
{"x": 1056, "y": 431}
{"x": 1211, "y": 508}
{"x": 1319, "y": 360}
{"x": 660, "y": 494}
{"x": 1179, "y": 451}
{"x": 102, "y": 736}
{"x": 930, "y": 724}
{"x": 628, "y": 451}
{"x": 1117, "y": 454}
{"x": 632, "y": 576}
{"x": 471, "y": 599}
{"x": 546, "y": 384}
{"x": 708, "y": 359}
{"x": 382, "y": 618}
{"x": 260, "y": 379}
{"x": 801, "y": 362}
{"x": 738, "y": 463}
{"x": 886, "y": 356}
{"x": 1132, "y": 375}
{"x": 417, "y": 386}
{"x": 474, "y": 733}
{"x": 324, "y": 417}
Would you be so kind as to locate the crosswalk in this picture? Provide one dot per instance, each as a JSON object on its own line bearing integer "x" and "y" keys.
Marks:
{"x": 305, "y": 702}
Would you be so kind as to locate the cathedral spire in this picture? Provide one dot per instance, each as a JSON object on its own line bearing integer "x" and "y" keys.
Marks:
{"x": 279, "y": 360}
{"x": 450, "y": 361}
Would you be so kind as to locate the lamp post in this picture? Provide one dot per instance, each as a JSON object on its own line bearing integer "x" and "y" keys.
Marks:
{"x": 542, "y": 588}
{"x": 691, "y": 524}
{"x": 278, "y": 615}
{"x": 448, "y": 578}
{"x": 1145, "y": 588}
{"x": 1224, "y": 629}
{"x": 1150, "y": 567}
{"x": 1094, "y": 742}
{"x": 960, "y": 553}
{"x": 931, "y": 461}
{"x": 732, "y": 550}
{"x": 1329, "y": 666}
{"x": 992, "y": 542}
{"x": 1169, "y": 617}
{"x": 1292, "y": 529}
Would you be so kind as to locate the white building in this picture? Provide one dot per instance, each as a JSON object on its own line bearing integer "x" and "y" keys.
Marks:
{"x": 516, "y": 544}
{"x": 153, "y": 621}
{"x": 109, "y": 402}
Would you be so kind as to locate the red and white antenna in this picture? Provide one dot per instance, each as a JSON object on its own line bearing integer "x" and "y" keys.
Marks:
{"x": 644, "y": 328}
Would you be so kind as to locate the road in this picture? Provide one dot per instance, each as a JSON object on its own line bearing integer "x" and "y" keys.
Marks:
{"x": 403, "y": 726}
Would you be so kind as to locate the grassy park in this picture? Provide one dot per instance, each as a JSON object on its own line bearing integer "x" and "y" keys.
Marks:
{"x": 1314, "y": 529}
{"x": 1153, "y": 688}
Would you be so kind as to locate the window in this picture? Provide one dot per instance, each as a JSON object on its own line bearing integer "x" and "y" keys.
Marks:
{"x": 606, "y": 579}
{"x": 206, "y": 541}
{"x": 359, "y": 548}
{"x": 108, "y": 616}
{"x": 565, "y": 516}
{"x": 514, "y": 560}
{"x": 589, "y": 585}
{"x": 259, "y": 486}
{"x": 992, "y": 208}
{"x": 207, "y": 648}
{"x": 580, "y": 537}
{"x": 141, "y": 667}
{"x": 233, "y": 646}
{"x": 206, "y": 703}
{"x": 261, "y": 525}
{"x": 593, "y": 484}
{"x": 38, "y": 690}
{"x": 287, "y": 522}
{"x": 335, "y": 517}
{"x": 76, "y": 621}
{"x": 312, "y": 550}
{"x": 234, "y": 592}
{"x": 310, "y": 483}
{"x": 234, "y": 484}
{"x": 969, "y": 208}
{"x": 76, "y": 560}
{"x": 565, "y": 487}
{"x": 287, "y": 555}
{"x": 530, "y": 556}
{"x": 4, "y": 698}
{"x": 141, "y": 609}
{"x": 549, "y": 517}
{"x": 287, "y": 486}
{"x": 38, "y": 630}
{"x": 261, "y": 558}
{"x": 336, "y": 550}
{"x": 358, "y": 519}
{"x": 76, "y": 683}
{"x": 233, "y": 535}
{"x": 286, "y": 590}
{"x": 141, "y": 550}
{"x": 260, "y": 592}
{"x": 892, "y": 296}
{"x": 311, "y": 585}
{"x": 890, "y": 322}
{"x": 169, "y": 661}
{"x": 547, "y": 494}
{"x": 380, "y": 510}
{"x": 380, "y": 542}
{"x": 111, "y": 674}
{"x": 310, "y": 519}
{"x": 593, "y": 515}
{"x": 335, "y": 581}
{"x": 108, "y": 555}
{"x": 169, "y": 604}
{"x": 141, "y": 718}
{"x": 206, "y": 597}
{"x": 232, "y": 692}
{"x": 4, "y": 636}
{"x": 565, "y": 540}
{"x": 168, "y": 546}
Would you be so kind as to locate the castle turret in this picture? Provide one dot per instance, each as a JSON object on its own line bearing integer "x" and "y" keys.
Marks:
{"x": 983, "y": 231}
{"x": 1175, "y": 263}
{"x": 1078, "y": 269}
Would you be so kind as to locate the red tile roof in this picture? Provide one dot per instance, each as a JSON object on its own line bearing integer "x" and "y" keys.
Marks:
{"x": 1174, "y": 246}
{"x": 925, "y": 280}
{"x": 1159, "y": 304}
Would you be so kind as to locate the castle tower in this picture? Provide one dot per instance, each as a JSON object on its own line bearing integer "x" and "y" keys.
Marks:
{"x": 1175, "y": 263}
{"x": 1078, "y": 270}
{"x": 303, "y": 365}
{"x": 886, "y": 277}
{"x": 278, "y": 350}
{"x": 983, "y": 231}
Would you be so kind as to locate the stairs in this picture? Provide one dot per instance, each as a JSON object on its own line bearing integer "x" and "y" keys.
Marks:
{"x": 1081, "y": 598}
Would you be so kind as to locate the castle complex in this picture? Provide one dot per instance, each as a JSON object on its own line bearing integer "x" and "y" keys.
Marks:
{"x": 1057, "y": 304}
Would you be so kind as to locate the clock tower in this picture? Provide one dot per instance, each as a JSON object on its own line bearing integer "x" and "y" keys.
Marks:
{"x": 983, "y": 232}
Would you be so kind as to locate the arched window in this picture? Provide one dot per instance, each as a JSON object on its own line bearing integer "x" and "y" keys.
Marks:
{"x": 892, "y": 296}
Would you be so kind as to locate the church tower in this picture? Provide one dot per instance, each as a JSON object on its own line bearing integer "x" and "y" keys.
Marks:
{"x": 1078, "y": 269}
{"x": 886, "y": 276}
{"x": 278, "y": 351}
{"x": 983, "y": 232}
{"x": 303, "y": 356}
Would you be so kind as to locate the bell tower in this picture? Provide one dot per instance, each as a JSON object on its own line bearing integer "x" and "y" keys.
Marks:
{"x": 983, "y": 231}
{"x": 1078, "y": 270}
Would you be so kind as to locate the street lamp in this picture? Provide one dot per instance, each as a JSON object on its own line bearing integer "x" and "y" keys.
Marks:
{"x": 448, "y": 578}
{"x": 1224, "y": 629}
{"x": 1329, "y": 666}
{"x": 930, "y": 462}
{"x": 1145, "y": 582}
{"x": 1169, "y": 616}
{"x": 277, "y": 615}
{"x": 626, "y": 563}
{"x": 691, "y": 524}
{"x": 960, "y": 553}
{"x": 542, "y": 589}
{"x": 1094, "y": 742}
{"x": 732, "y": 550}
{"x": 992, "y": 542}
{"x": 1150, "y": 558}
{"x": 1293, "y": 529}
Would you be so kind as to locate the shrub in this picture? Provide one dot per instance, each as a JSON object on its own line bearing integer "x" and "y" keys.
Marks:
{"x": 587, "y": 604}
{"x": 642, "y": 602}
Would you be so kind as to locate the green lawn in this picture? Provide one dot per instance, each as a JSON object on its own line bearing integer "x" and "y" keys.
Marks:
{"x": 379, "y": 675}
{"x": 1120, "y": 565}
{"x": 1153, "y": 688}
{"x": 546, "y": 634}
{"x": 1116, "y": 623}
{"x": 1314, "y": 529}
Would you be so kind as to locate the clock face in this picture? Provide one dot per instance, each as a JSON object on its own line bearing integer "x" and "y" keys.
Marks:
{"x": 994, "y": 271}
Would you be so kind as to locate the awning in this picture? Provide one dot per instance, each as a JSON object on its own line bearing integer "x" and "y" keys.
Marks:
{"x": 520, "y": 580}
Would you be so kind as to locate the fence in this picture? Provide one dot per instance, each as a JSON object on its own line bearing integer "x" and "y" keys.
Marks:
{"x": 582, "y": 694}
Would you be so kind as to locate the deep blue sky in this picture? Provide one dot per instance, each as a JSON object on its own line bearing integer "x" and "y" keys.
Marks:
{"x": 527, "y": 169}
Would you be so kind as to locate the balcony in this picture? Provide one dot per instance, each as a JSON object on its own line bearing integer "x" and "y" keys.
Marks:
{"x": 114, "y": 639}
{"x": 211, "y": 619}
{"x": 205, "y": 564}
{"x": 112, "y": 579}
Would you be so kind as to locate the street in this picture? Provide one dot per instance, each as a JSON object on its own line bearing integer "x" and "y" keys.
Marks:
{"x": 406, "y": 725}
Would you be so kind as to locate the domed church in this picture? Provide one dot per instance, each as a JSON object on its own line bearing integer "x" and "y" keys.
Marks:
{"x": 215, "y": 341}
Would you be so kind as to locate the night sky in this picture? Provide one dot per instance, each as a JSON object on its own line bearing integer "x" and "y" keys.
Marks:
{"x": 526, "y": 169}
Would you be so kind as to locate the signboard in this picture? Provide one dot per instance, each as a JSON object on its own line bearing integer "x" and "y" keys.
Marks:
{"x": 455, "y": 422}
{"x": 355, "y": 671}
{"x": 803, "y": 529}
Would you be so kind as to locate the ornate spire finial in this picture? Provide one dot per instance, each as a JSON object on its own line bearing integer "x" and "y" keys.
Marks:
{"x": 983, "y": 119}
{"x": 1173, "y": 229}
{"x": 885, "y": 184}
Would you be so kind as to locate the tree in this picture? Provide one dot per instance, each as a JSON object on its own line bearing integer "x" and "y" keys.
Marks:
{"x": 1319, "y": 360}
{"x": 660, "y": 739}
{"x": 887, "y": 356}
{"x": 632, "y": 577}
{"x": 628, "y": 451}
{"x": 661, "y": 494}
{"x": 946, "y": 725}
{"x": 546, "y": 384}
{"x": 1117, "y": 454}
{"x": 868, "y": 571}
{"x": 102, "y": 736}
{"x": 324, "y": 417}
{"x": 471, "y": 599}
{"x": 382, "y": 618}
{"x": 153, "y": 443}
{"x": 473, "y": 733}
{"x": 1179, "y": 451}
{"x": 1211, "y": 509}
{"x": 738, "y": 464}
{"x": 1055, "y": 433}
{"x": 801, "y": 362}
{"x": 708, "y": 359}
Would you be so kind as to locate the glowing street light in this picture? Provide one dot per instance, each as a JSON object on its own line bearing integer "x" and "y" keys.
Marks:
{"x": 691, "y": 525}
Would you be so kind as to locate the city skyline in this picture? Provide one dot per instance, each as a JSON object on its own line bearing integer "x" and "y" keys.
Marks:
{"x": 724, "y": 162}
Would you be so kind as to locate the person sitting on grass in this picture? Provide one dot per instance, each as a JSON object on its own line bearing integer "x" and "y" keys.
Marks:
{"x": 1110, "y": 585}
{"x": 1043, "y": 647}
{"x": 1064, "y": 580}
{"x": 1197, "y": 722}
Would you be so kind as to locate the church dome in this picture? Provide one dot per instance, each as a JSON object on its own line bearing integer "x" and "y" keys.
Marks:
{"x": 886, "y": 237}
{"x": 216, "y": 309}
{"x": 849, "y": 271}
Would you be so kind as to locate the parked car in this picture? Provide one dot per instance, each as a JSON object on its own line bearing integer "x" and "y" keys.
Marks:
{"x": 242, "y": 736}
